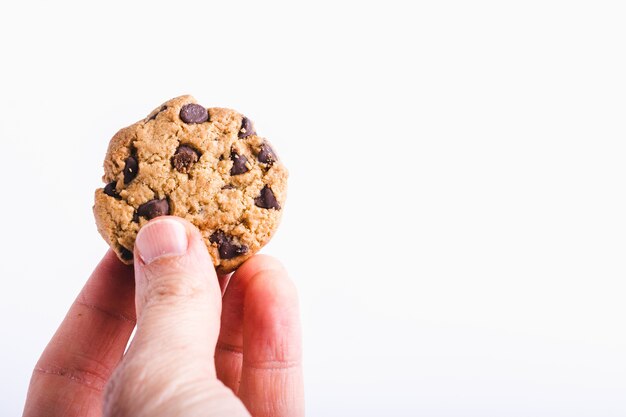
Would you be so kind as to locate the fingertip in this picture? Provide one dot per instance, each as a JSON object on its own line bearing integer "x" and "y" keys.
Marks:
{"x": 258, "y": 266}
{"x": 259, "y": 263}
{"x": 110, "y": 259}
{"x": 172, "y": 261}
{"x": 111, "y": 266}
{"x": 191, "y": 232}
{"x": 271, "y": 297}
{"x": 162, "y": 241}
{"x": 190, "y": 228}
{"x": 262, "y": 291}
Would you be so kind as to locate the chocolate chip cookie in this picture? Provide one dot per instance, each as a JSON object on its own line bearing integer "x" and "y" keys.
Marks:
{"x": 206, "y": 165}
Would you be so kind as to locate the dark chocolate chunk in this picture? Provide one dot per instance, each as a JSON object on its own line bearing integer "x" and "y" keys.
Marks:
{"x": 267, "y": 154}
{"x": 126, "y": 254}
{"x": 239, "y": 164}
{"x": 154, "y": 208}
{"x": 154, "y": 116}
{"x": 267, "y": 199}
{"x": 131, "y": 169}
{"x": 228, "y": 187}
{"x": 225, "y": 245}
{"x": 110, "y": 190}
{"x": 193, "y": 113}
{"x": 246, "y": 128}
{"x": 184, "y": 158}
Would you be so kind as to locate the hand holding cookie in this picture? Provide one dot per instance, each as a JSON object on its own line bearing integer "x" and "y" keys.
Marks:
{"x": 189, "y": 193}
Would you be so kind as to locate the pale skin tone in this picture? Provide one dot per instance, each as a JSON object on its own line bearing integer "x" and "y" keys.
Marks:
{"x": 204, "y": 346}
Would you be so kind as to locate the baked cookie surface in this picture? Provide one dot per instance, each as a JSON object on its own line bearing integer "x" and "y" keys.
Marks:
{"x": 205, "y": 165}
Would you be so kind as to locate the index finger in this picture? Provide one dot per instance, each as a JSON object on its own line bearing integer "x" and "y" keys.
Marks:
{"x": 70, "y": 376}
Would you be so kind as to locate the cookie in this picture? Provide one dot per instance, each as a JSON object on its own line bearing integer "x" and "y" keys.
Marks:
{"x": 208, "y": 166}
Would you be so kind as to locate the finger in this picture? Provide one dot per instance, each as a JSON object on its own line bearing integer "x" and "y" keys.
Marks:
{"x": 178, "y": 296}
{"x": 178, "y": 301}
{"x": 70, "y": 376}
{"x": 229, "y": 349}
{"x": 271, "y": 373}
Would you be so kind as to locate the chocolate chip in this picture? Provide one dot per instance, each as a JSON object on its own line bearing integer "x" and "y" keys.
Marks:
{"x": 110, "y": 190}
{"x": 131, "y": 169}
{"x": 126, "y": 254}
{"x": 267, "y": 154}
{"x": 239, "y": 164}
{"x": 267, "y": 199}
{"x": 228, "y": 187}
{"x": 225, "y": 245}
{"x": 184, "y": 158}
{"x": 157, "y": 113}
{"x": 154, "y": 208}
{"x": 246, "y": 128}
{"x": 193, "y": 113}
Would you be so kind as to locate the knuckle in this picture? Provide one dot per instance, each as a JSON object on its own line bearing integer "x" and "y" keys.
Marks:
{"x": 88, "y": 375}
{"x": 173, "y": 288}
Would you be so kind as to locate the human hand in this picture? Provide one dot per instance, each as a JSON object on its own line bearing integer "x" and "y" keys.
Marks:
{"x": 195, "y": 352}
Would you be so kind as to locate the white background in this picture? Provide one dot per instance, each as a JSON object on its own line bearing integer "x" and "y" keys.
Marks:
{"x": 456, "y": 223}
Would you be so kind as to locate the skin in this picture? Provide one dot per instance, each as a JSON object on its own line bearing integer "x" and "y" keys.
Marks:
{"x": 204, "y": 345}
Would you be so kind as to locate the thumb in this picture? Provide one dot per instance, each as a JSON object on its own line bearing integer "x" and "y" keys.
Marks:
{"x": 177, "y": 295}
{"x": 169, "y": 368}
